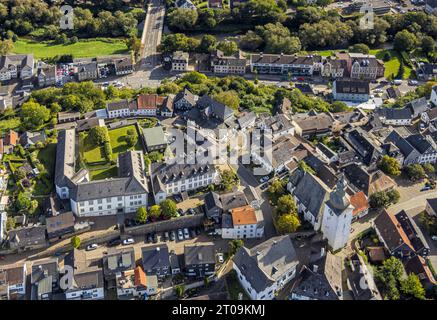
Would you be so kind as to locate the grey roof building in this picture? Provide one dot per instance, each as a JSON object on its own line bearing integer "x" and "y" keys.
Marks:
{"x": 118, "y": 261}
{"x": 156, "y": 260}
{"x": 310, "y": 194}
{"x": 267, "y": 267}
{"x": 212, "y": 108}
{"x": 199, "y": 260}
{"x": 320, "y": 281}
{"x": 154, "y": 138}
{"x": 28, "y": 238}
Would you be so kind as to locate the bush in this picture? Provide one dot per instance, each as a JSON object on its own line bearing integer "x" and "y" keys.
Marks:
{"x": 107, "y": 150}
{"x": 75, "y": 242}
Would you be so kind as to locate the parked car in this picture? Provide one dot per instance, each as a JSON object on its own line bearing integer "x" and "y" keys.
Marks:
{"x": 172, "y": 235}
{"x": 264, "y": 186}
{"x": 193, "y": 233}
{"x": 426, "y": 188}
{"x": 186, "y": 234}
{"x": 180, "y": 235}
{"x": 191, "y": 211}
{"x": 181, "y": 212}
{"x": 91, "y": 247}
{"x": 220, "y": 258}
{"x": 128, "y": 241}
{"x": 155, "y": 238}
{"x": 166, "y": 236}
{"x": 264, "y": 179}
{"x": 434, "y": 238}
{"x": 114, "y": 242}
{"x": 412, "y": 82}
{"x": 149, "y": 238}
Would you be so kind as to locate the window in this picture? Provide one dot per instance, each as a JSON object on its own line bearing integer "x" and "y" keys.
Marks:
{"x": 90, "y": 202}
{"x": 119, "y": 198}
{"x": 100, "y": 201}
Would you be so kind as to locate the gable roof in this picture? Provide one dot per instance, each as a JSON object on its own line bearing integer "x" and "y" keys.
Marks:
{"x": 359, "y": 202}
{"x": 310, "y": 191}
{"x": 321, "y": 280}
{"x": 155, "y": 256}
{"x": 199, "y": 254}
{"x": 267, "y": 262}
{"x": 243, "y": 216}
{"x": 391, "y": 231}
{"x": 213, "y": 107}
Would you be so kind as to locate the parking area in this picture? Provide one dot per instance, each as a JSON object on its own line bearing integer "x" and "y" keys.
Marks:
{"x": 177, "y": 245}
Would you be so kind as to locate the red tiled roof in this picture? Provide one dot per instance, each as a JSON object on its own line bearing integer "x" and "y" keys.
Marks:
{"x": 243, "y": 215}
{"x": 11, "y": 138}
{"x": 359, "y": 202}
{"x": 140, "y": 277}
{"x": 391, "y": 230}
{"x": 149, "y": 101}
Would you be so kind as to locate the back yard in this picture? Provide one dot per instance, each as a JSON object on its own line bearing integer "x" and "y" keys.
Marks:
{"x": 94, "y": 156}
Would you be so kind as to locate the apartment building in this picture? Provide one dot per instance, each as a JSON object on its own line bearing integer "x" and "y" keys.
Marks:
{"x": 180, "y": 61}
{"x": 242, "y": 223}
{"x": 169, "y": 179}
{"x": 285, "y": 64}
{"x": 222, "y": 64}
{"x": 16, "y": 66}
{"x": 125, "y": 193}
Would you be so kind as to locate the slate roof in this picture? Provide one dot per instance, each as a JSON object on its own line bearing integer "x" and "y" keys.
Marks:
{"x": 246, "y": 119}
{"x": 367, "y": 182}
{"x": 432, "y": 203}
{"x": 29, "y": 236}
{"x": 267, "y": 262}
{"x": 232, "y": 200}
{"x": 118, "y": 105}
{"x": 310, "y": 191}
{"x": 213, "y": 107}
{"x": 348, "y": 86}
{"x": 188, "y": 96}
{"x": 131, "y": 180}
{"x": 199, "y": 254}
{"x": 18, "y": 60}
{"x": 42, "y": 268}
{"x": 419, "y": 267}
{"x": 317, "y": 122}
{"x": 88, "y": 279}
{"x": 65, "y": 158}
{"x": 323, "y": 284}
{"x": 284, "y": 59}
{"x": 412, "y": 231}
{"x": 60, "y": 222}
{"x": 155, "y": 256}
{"x": 366, "y": 147}
{"x": 118, "y": 261}
{"x": 417, "y": 106}
{"x": 212, "y": 200}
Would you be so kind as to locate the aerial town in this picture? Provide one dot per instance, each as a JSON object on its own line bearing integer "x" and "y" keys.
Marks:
{"x": 218, "y": 150}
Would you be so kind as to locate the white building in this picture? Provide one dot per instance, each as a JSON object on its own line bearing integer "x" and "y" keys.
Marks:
{"x": 88, "y": 285}
{"x": 169, "y": 179}
{"x": 243, "y": 223}
{"x": 337, "y": 217}
{"x": 16, "y": 278}
{"x": 179, "y": 61}
{"x": 434, "y": 96}
{"x": 135, "y": 284}
{"x": 120, "y": 109}
{"x": 266, "y": 268}
{"x": 123, "y": 194}
{"x": 3, "y": 219}
{"x": 16, "y": 66}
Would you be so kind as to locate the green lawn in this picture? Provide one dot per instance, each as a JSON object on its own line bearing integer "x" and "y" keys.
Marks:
{"x": 104, "y": 173}
{"x": 392, "y": 66}
{"x": 47, "y": 157}
{"x": 82, "y": 49}
{"x": 90, "y": 152}
{"x": 118, "y": 140}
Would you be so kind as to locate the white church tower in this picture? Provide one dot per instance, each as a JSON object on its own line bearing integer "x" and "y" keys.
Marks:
{"x": 337, "y": 217}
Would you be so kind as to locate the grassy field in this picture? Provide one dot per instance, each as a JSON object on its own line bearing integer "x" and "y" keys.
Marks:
{"x": 47, "y": 157}
{"x": 118, "y": 140}
{"x": 104, "y": 173}
{"x": 392, "y": 65}
{"x": 90, "y": 152}
{"x": 81, "y": 49}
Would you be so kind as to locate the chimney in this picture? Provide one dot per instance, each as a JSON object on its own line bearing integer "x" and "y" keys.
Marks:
{"x": 315, "y": 268}
{"x": 322, "y": 252}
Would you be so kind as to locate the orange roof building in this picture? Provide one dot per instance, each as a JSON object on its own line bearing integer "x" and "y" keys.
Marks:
{"x": 140, "y": 277}
{"x": 11, "y": 138}
{"x": 360, "y": 203}
{"x": 149, "y": 101}
{"x": 242, "y": 222}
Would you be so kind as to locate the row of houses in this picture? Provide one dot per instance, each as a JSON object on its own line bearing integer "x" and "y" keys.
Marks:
{"x": 343, "y": 65}
{"x": 117, "y": 270}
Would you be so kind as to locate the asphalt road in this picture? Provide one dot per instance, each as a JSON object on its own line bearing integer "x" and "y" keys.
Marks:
{"x": 152, "y": 33}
